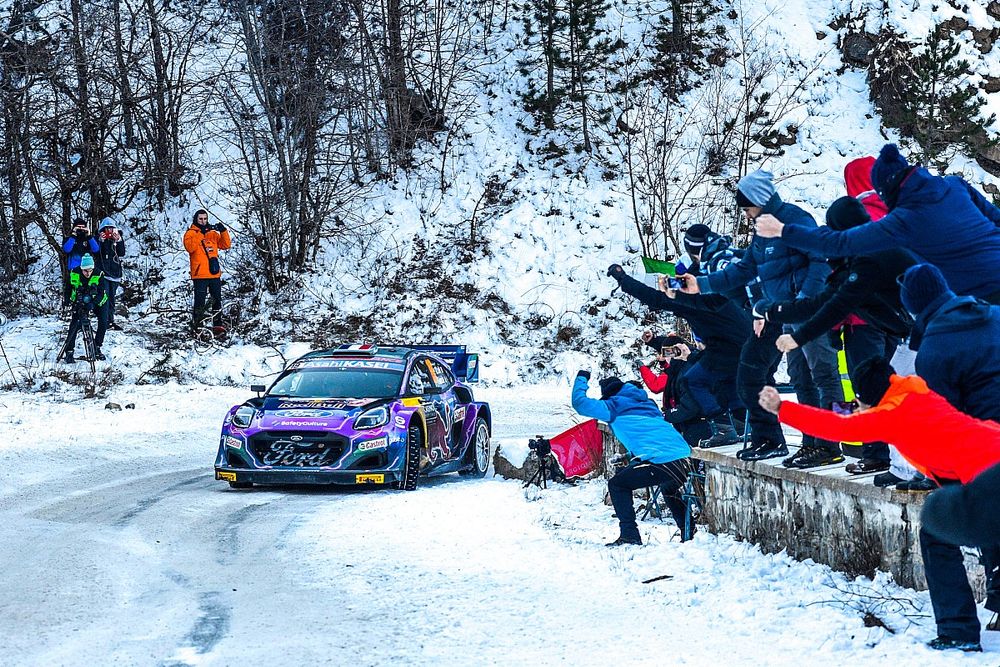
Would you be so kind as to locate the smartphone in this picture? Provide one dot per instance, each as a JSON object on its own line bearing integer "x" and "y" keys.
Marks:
{"x": 674, "y": 283}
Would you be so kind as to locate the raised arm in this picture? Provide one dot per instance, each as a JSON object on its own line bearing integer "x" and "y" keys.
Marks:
{"x": 586, "y": 406}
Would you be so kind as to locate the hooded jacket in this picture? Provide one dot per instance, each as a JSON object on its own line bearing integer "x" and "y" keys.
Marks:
{"x": 202, "y": 244}
{"x": 944, "y": 221}
{"x": 936, "y": 438}
{"x": 958, "y": 353}
{"x": 718, "y": 322}
{"x": 90, "y": 292}
{"x": 635, "y": 420}
{"x": 785, "y": 273}
{"x": 858, "y": 177}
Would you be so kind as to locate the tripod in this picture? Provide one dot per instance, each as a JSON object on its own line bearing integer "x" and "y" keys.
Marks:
{"x": 548, "y": 469}
{"x": 81, "y": 320}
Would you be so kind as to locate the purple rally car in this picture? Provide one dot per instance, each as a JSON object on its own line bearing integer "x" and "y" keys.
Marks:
{"x": 360, "y": 415}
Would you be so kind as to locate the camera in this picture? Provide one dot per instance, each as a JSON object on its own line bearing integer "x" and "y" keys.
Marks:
{"x": 541, "y": 446}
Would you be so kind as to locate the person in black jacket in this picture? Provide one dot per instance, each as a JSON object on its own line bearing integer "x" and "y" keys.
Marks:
{"x": 88, "y": 292}
{"x": 864, "y": 286}
{"x": 723, "y": 327}
{"x": 109, "y": 263}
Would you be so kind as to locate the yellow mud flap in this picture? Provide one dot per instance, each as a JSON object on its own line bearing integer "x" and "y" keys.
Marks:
{"x": 227, "y": 476}
{"x": 369, "y": 479}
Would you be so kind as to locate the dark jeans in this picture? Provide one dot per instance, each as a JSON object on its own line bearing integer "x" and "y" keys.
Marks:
{"x": 862, "y": 342}
{"x": 757, "y": 360}
{"x": 77, "y": 322}
{"x": 815, "y": 375}
{"x": 715, "y": 391}
{"x": 112, "y": 293}
{"x": 948, "y": 584}
{"x": 669, "y": 476}
{"x": 203, "y": 286}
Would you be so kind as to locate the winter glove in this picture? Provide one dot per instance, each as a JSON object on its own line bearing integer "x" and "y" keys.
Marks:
{"x": 616, "y": 271}
{"x": 219, "y": 227}
{"x": 584, "y": 374}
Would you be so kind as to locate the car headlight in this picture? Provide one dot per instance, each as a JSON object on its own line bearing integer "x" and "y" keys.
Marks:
{"x": 243, "y": 417}
{"x": 372, "y": 418}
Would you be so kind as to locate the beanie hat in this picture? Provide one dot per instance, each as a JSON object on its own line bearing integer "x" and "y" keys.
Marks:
{"x": 871, "y": 379}
{"x": 610, "y": 386}
{"x": 86, "y": 262}
{"x": 756, "y": 187}
{"x": 845, "y": 213}
{"x": 106, "y": 222}
{"x": 694, "y": 238}
{"x": 889, "y": 164}
{"x": 922, "y": 284}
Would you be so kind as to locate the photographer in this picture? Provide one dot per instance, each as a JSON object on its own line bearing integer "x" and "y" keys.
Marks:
{"x": 203, "y": 243}
{"x": 79, "y": 243}
{"x": 88, "y": 293}
{"x": 680, "y": 407}
{"x": 661, "y": 455}
{"x": 109, "y": 263}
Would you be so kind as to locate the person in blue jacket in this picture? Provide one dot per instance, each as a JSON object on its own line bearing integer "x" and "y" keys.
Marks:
{"x": 660, "y": 453}
{"x": 79, "y": 243}
{"x": 783, "y": 274}
{"x": 943, "y": 220}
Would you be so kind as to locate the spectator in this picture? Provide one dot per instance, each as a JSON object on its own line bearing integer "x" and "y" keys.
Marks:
{"x": 203, "y": 243}
{"x": 917, "y": 420}
{"x": 723, "y": 327}
{"x": 654, "y": 341}
{"x": 109, "y": 263}
{"x": 680, "y": 407}
{"x": 945, "y": 221}
{"x": 860, "y": 303}
{"x": 88, "y": 293}
{"x": 957, "y": 340}
{"x": 784, "y": 275}
{"x": 661, "y": 455}
{"x": 79, "y": 243}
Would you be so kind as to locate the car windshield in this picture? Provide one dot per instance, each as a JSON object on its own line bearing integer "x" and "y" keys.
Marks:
{"x": 338, "y": 383}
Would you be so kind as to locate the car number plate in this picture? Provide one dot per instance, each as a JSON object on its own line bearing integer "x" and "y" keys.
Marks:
{"x": 369, "y": 479}
{"x": 228, "y": 476}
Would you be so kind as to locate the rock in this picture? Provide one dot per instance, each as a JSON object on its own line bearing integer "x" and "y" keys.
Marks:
{"x": 991, "y": 189}
{"x": 993, "y": 9}
{"x": 820, "y": 35}
{"x": 113, "y": 406}
{"x": 856, "y": 48}
{"x": 989, "y": 159}
{"x": 954, "y": 25}
{"x": 986, "y": 38}
{"x": 130, "y": 406}
{"x": 991, "y": 84}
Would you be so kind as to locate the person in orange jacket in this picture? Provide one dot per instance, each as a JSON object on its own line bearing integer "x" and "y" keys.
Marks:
{"x": 203, "y": 243}
{"x": 945, "y": 444}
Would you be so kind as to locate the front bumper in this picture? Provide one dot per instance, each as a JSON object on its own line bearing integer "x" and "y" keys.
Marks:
{"x": 306, "y": 476}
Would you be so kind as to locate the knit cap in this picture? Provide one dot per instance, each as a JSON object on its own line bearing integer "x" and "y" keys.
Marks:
{"x": 888, "y": 165}
{"x": 106, "y": 222}
{"x": 610, "y": 386}
{"x": 845, "y": 213}
{"x": 756, "y": 187}
{"x": 86, "y": 262}
{"x": 922, "y": 284}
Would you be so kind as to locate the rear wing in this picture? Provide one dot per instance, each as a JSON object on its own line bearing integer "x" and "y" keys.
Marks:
{"x": 465, "y": 365}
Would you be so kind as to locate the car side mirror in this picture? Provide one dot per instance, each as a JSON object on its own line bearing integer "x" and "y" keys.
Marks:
{"x": 259, "y": 388}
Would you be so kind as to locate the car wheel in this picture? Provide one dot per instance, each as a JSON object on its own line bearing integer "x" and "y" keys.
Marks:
{"x": 411, "y": 468}
{"x": 479, "y": 450}
{"x": 241, "y": 485}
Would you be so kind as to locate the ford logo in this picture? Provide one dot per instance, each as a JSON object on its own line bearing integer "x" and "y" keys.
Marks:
{"x": 295, "y": 438}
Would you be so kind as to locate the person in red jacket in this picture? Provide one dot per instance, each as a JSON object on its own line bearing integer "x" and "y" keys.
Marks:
{"x": 680, "y": 406}
{"x": 203, "y": 243}
{"x": 918, "y": 421}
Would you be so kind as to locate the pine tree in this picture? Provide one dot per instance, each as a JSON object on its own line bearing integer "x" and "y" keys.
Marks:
{"x": 923, "y": 90}
{"x": 682, "y": 40}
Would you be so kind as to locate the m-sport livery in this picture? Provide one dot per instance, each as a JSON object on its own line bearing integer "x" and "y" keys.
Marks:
{"x": 360, "y": 415}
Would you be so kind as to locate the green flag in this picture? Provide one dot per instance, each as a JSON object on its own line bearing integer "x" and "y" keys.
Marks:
{"x": 658, "y": 266}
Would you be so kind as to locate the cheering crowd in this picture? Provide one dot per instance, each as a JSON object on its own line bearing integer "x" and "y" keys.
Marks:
{"x": 904, "y": 278}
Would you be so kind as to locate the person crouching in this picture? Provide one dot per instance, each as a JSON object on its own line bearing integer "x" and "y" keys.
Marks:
{"x": 88, "y": 292}
{"x": 660, "y": 453}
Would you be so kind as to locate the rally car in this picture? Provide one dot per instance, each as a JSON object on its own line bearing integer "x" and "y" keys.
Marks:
{"x": 360, "y": 414}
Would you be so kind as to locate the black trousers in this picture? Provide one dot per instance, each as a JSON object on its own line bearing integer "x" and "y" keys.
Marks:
{"x": 948, "y": 584}
{"x": 202, "y": 287}
{"x": 670, "y": 477}
{"x": 77, "y": 322}
{"x": 862, "y": 342}
{"x": 758, "y": 359}
{"x": 112, "y": 295}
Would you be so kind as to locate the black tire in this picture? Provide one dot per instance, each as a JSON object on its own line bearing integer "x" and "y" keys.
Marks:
{"x": 478, "y": 455}
{"x": 411, "y": 468}
{"x": 241, "y": 485}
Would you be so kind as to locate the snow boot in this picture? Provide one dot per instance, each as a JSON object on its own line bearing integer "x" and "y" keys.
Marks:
{"x": 723, "y": 433}
{"x": 867, "y": 465}
{"x": 623, "y": 541}
{"x": 886, "y": 479}
{"x": 764, "y": 450}
{"x": 98, "y": 355}
{"x": 918, "y": 483}
{"x": 68, "y": 358}
{"x": 943, "y": 643}
{"x": 814, "y": 457}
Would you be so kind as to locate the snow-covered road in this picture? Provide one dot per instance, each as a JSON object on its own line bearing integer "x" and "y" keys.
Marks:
{"x": 118, "y": 547}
